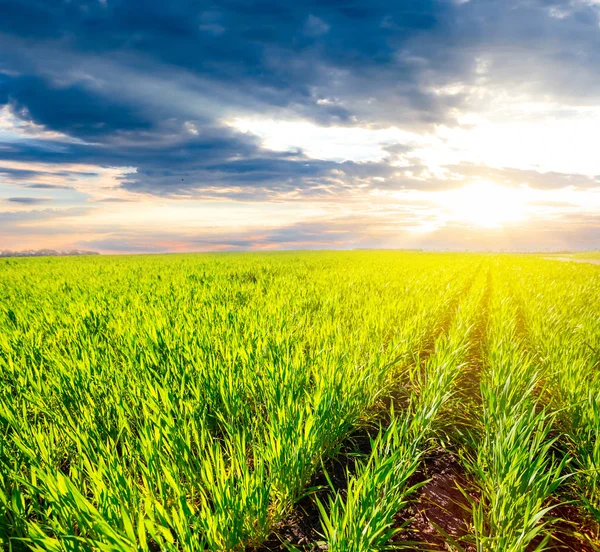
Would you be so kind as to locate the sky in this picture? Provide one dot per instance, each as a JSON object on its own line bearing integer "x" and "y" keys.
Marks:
{"x": 131, "y": 126}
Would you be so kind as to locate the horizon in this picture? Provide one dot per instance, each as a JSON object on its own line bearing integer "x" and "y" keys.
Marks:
{"x": 28, "y": 253}
{"x": 439, "y": 125}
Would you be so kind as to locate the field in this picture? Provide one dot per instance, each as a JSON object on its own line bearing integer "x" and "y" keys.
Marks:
{"x": 584, "y": 257}
{"x": 588, "y": 255}
{"x": 343, "y": 401}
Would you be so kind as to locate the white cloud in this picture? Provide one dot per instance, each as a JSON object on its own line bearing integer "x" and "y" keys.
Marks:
{"x": 13, "y": 129}
{"x": 532, "y": 136}
{"x": 515, "y": 133}
{"x": 328, "y": 143}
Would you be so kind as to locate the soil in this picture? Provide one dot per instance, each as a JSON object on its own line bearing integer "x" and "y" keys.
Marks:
{"x": 302, "y": 527}
{"x": 441, "y": 509}
{"x": 440, "y": 503}
{"x": 570, "y": 532}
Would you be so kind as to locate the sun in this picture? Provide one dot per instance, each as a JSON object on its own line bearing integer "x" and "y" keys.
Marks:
{"x": 484, "y": 204}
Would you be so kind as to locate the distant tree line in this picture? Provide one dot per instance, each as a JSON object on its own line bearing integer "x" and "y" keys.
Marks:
{"x": 46, "y": 253}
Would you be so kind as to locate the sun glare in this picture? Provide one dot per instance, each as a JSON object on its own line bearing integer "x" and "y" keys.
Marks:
{"x": 485, "y": 204}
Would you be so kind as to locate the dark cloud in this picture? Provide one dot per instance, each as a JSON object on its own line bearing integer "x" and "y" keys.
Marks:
{"x": 146, "y": 84}
{"x": 28, "y": 200}
{"x": 215, "y": 158}
{"x": 42, "y": 186}
{"x": 280, "y": 54}
{"x": 72, "y": 109}
{"x": 232, "y": 39}
{"x": 115, "y": 200}
{"x": 21, "y": 174}
{"x": 220, "y": 160}
{"x": 27, "y": 175}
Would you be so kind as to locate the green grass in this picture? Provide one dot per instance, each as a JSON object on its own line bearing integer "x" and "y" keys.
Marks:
{"x": 188, "y": 402}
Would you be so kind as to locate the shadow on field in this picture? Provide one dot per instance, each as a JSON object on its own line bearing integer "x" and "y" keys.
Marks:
{"x": 439, "y": 512}
{"x": 570, "y": 532}
{"x": 302, "y": 527}
{"x": 437, "y": 504}
{"x": 440, "y": 509}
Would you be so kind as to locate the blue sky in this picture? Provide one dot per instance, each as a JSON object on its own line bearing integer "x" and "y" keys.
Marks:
{"x": 152, "y": 126}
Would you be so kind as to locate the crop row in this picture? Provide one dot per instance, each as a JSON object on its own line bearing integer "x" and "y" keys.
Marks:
{"x": 190, "y": 402}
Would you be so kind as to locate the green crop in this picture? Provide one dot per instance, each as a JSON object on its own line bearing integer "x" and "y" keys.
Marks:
{"x": 191, "y": 402}
{"x": 510, "y": 451}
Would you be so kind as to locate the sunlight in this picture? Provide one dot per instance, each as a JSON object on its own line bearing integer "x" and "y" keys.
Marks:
{"x": 485, "y": 204}
{"x": 334, "y": 143}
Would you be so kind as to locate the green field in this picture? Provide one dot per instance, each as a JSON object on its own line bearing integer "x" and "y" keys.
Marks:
{"x": 309, "y": 400}
{"x": 592, "y": 255}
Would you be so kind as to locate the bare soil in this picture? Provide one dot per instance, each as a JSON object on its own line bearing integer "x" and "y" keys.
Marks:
{"x": 440, "y": 508}
{"x": 572, "y": 532}
{"x": 302, "y": 527}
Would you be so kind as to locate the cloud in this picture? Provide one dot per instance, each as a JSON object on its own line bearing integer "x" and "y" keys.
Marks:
{"x": 72, "y": 108}
{"x": 315, "y": 27}
{"x": 360, "y": 231}
{"x": 115, "y": 200}
{"x": 11, "y": 219}
{"x": 215, "y": 159}
{"x": 28, "y": 200}
{"x": 41, "y": 186}
{"x": 377, "y": 64}
{"x": 151, "y": 94}
{"x": 124, "y": 245}
{"x": 41, "y": 179}
{"x": 458, "y": 175}
{"x": 282, "y": 55}
{"x": 221, "y": 163}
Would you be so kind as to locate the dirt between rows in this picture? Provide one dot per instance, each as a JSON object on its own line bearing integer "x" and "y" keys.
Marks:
{"x": 437, "y": 503}
{"x": 443, "y": 508}
{"x": 440, "y": 511}
{"x": 571, "y": 532}
{"x": 302, "y": 527}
